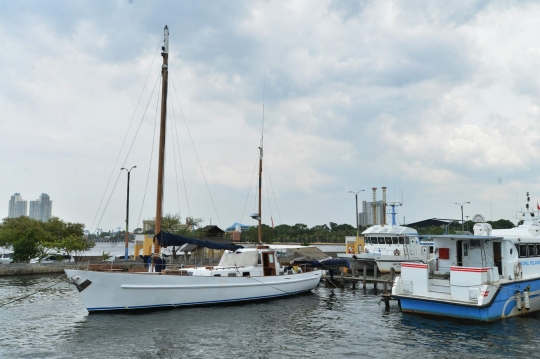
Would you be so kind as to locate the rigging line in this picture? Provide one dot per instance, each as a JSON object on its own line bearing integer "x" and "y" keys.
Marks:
{"x": 151, "y": 156}
{"x": 37, "y": 291}
{"x": 273, "y": 193}
{"x": 249, "y": 190}
{"x": 129, "y": 151}
{"x": 268, "y": 193}
{"x": 129, "y": 127}
{"x": 180, "y": 158}
{"x": 174, "y": 156}
{"x": 196, "y": 155}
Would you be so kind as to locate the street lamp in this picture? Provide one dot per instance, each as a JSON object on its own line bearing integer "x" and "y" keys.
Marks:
{"x": 356, "y": 198}
{"x": 127, "y": 210}
{"x": 461, "y": 205}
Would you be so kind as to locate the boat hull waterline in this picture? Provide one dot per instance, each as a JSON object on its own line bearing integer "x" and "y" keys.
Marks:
{"x": 129, "y": 291}
{"x": 502, "y": 305}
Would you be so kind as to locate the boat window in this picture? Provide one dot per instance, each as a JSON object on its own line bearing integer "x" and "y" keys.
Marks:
{"x": 381, "y": 240}
{"x": 532, "y": 251}
{"x": 401, "y": 240}
{"x": 367, "y": 240}
{"x": 259, "y": 259}
{"x": 388, "y": 240}
{"x": 394, "y": 240}
{"x": 538, "y": 250}
{"x": 407, "y": 240}
{"x": 522, "y": 250}
{"x": 271, "y": 258}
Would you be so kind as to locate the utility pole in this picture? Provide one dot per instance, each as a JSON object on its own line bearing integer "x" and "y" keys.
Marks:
{"x": 127, "y": 212}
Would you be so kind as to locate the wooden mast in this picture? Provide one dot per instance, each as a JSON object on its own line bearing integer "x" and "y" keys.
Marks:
{"x": 260, "y": 190}
{"x": 162, "y": 130}
{"x": 260, "y": 177}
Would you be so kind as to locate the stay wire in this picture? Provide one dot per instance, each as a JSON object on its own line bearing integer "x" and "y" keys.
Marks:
{"x": 174, "y": 155}
{"x": 249, "y": 190}
{"x": 273, "y": 193}
{"x": 180, "y": 160}
{"x": 268, "y": 193}
{"x": 125, "y": 137}
{"x": 196, "y": 155}
{"x": 129, "y": 151}
{"x": 151, "y": 157}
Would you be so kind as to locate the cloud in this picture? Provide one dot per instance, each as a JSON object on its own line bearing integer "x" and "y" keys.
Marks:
{"x": 430, "y": 98}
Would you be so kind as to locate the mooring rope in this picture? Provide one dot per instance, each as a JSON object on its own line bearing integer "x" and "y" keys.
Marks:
{"x": 11, "y": 300}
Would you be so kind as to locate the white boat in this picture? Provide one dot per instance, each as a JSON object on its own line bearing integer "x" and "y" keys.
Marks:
{"x": 388, "y": 246}
{"x": 243, "y": 274}
{"x": 492, "y": 275}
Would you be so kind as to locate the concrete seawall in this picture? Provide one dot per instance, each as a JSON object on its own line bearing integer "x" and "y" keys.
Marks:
{"x": 29, "y": 269}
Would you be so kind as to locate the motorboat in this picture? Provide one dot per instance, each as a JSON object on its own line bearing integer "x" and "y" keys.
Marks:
{"x": 487, "y": 276}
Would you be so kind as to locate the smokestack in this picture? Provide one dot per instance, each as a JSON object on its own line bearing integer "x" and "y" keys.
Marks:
{"x": 384, "y": 205}
{"x": 374, "y": 205}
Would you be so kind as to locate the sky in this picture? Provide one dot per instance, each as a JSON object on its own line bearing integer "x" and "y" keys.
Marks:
{"x": 437, "y": 101}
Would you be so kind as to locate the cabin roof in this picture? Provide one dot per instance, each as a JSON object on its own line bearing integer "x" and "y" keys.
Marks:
{"x": 432, "y": 222}
{"x": 461, "y": 236}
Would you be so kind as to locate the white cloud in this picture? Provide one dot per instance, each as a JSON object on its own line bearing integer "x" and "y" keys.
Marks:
{"x": 440, "y": 100}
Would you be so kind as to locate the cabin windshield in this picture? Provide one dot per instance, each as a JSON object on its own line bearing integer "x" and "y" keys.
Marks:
{"x": 238, "y": 259}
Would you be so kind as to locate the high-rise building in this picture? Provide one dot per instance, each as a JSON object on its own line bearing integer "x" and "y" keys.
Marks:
{"x": 41, "y": 209}
{"x": 17, "y": 206}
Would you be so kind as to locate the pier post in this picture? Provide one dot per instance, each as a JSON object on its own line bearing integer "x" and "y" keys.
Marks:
{"x": 364, "y": 279}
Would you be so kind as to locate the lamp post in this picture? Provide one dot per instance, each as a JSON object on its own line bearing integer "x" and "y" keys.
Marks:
{"x": 461, "y": 205}
{"x": 356, "y": 198}
{"x": 127, "y": 211}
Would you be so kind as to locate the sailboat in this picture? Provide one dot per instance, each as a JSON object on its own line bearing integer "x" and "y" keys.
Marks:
{"x": 243, "y": 274}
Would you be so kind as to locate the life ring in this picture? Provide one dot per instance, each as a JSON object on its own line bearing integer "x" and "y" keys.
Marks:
{"x": 518, "y": 270}
{"x": 397, "y": 252}
{"x": 350, "y": 250}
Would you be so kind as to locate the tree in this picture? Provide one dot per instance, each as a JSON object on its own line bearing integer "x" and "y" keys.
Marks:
{"x": 13, "y": 230}
{"x": 27, "y": 248}
{"x": 501, "y": 224}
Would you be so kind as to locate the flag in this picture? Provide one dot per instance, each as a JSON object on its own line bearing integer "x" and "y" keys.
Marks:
{"x": 537, "y": 206}
{"x": 273, "y": 221}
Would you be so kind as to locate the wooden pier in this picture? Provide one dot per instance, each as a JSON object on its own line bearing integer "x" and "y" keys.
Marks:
{"x": 386, "y": 280}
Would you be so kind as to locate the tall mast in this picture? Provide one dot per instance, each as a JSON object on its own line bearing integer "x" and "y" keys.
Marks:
{"x": 163, "y": 126}
{"x": 260, "y": 175}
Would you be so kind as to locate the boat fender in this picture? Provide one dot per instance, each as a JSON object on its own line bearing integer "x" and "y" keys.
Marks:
{"x": 526, "y": 299}
{"x": 518, "y": 270}
{"x": 397, "y": 252}
{"x": 518, "y": 300}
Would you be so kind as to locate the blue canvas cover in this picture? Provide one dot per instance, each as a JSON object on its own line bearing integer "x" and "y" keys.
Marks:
{"x": 166, "y": 239}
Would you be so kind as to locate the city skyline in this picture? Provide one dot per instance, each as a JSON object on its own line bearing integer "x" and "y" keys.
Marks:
{"x": 40, "y": 209}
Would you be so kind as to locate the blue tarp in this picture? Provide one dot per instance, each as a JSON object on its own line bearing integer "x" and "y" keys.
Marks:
{"x": 168, "y": 239}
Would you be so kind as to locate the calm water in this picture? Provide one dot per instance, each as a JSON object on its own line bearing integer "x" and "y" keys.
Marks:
{"x": 324, "y": 324}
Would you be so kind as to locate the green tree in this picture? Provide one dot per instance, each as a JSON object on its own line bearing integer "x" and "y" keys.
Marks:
{"x": 13, "y": 230}
{"x": 501, "y": 224}
{"x": 27, "y": 248}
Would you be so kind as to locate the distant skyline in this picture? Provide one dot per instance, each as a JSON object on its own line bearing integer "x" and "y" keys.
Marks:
{"x": 439, "y": 101}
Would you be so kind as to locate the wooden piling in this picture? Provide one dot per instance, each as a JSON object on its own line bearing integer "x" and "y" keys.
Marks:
{"x": 375, "y": 275}
{"x": 365, "y": 275}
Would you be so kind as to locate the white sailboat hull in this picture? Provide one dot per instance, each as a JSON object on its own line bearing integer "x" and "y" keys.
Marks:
{"x": 125, "y": 291}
